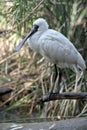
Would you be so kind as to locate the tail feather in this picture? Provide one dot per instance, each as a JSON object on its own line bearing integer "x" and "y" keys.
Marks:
{"x": 80, "y": 62}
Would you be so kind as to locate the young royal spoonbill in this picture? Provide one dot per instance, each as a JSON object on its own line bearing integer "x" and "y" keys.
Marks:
{"x": 55, "y": 47}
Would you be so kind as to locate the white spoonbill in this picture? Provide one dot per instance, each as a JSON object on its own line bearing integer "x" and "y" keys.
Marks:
{"x": 55, "y": 47}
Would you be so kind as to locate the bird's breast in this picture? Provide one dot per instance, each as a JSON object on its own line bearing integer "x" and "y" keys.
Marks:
{"x": 33, "y": 42}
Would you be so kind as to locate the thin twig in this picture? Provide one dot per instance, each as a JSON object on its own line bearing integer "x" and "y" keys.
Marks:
{"x": 7, "y": 58}
{"x": 12, "y": 97}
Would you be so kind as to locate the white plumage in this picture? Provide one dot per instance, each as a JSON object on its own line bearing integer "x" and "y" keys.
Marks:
{"x": 55, "y": 47}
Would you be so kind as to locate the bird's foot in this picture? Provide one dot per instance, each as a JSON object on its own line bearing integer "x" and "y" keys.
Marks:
{"x": 49, "y": 95}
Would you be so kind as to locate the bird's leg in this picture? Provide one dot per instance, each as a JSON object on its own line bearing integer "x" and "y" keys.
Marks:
{"x": 56, "y": 72}
{"x": 59, "y": 80}
{"x": 55, "y": 77}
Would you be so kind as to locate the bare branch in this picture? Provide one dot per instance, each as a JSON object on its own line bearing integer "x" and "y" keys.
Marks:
{"x": 65, "y": 95}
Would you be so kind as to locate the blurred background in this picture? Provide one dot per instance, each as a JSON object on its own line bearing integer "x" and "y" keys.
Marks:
{"x": 25, "y": 76}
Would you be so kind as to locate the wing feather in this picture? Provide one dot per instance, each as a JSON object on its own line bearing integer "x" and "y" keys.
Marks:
{"x": 57, "y": 48}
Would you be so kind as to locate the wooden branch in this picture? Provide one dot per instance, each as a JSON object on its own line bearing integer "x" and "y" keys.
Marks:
{"x": 5, "y": 90}
{"x": 65, "y": 95}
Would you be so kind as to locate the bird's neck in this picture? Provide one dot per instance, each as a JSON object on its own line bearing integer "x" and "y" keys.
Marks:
{"x": 34, "y": 41}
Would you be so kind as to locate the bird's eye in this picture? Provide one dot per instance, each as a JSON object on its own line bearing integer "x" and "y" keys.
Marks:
{"x": 36, "y": 27}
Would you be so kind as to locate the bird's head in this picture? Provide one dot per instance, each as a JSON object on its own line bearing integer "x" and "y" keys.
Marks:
{"x": 39, "y": 25}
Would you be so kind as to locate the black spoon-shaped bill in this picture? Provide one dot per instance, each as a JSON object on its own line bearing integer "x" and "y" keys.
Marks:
{"x": 34, "y": 29}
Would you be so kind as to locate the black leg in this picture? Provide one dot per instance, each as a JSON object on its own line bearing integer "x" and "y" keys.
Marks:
{"x": 55, "y": 77}
{"x": 56, "y": 72}
{"x": 55, "y": 80}
{"x": 59, "y": 81}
